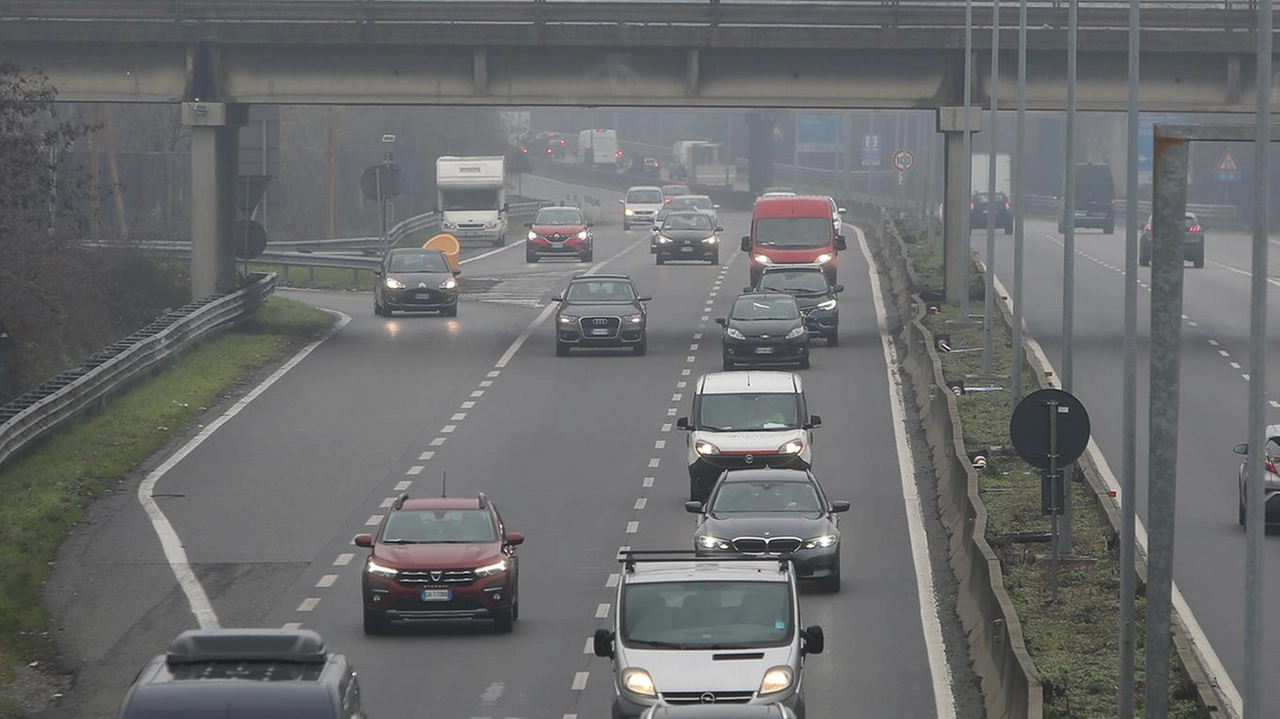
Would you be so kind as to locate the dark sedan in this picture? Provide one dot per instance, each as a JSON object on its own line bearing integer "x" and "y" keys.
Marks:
{"x": 773, "y": 512}
{"x": 415, "y": 280}
{"x": 764, "y": 328}
{"x": 601, "y": 311}
{"x": 688, "y": 236}
{"x": 1192, "y": 242}
{"x": 979, "y": 206}
{"x": 813, "y": 292}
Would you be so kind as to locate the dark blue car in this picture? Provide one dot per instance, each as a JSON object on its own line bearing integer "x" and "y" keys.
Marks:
{"x": 814, "y": 293}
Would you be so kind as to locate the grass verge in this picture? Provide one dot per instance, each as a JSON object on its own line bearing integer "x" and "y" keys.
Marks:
{"x": 1073, "y": 642}
{"x": 48, "y": 491}
{"x": 318, "y": 278}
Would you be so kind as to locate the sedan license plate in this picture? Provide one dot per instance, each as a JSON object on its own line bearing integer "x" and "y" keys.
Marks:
{"x": 600, "y": 333}
{"x": 764, "y": 350}
{"x": 686, "y": 249}
{"x": 437, "y": 595}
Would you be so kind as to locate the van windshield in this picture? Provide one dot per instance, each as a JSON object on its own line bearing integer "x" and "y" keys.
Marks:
{"x": 759, "y": 412}
{"x": 706, "y": 615}
{"x": 793, "y": 232}
{"x": 470, "y": 200}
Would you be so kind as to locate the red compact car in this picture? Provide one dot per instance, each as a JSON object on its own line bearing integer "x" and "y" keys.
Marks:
{"x": 559, "y": 232}
{"x": 441, "y": 558}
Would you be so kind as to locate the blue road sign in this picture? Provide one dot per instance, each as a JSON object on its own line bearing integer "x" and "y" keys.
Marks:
{"x": 825, "y": 130}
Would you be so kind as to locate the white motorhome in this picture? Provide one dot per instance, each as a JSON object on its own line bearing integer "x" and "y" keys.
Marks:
{"x": 472, "y": 198}
{"x": 705, "y": 164}
{"x": 598, "y": 147}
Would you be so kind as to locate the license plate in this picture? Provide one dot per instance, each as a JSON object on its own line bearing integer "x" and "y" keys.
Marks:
{"x": 764, "y": 350}
{"x": 1081, "y": 213}
{"x": 422, "y": 295}
{"x": 600, "y": 333}
{"x": 437, "y": 595}
{"x": 686, "y": 249}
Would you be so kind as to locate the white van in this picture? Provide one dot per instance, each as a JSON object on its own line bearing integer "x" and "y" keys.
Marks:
{"x": 641, "y": 205}
{"x": 746, "y": 419}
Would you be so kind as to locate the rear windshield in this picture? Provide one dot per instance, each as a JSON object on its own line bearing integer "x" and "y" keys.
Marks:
{"x": 645, "y": 197}
{"x": 706, "y": 615}
{"x": 749, "y": 412}
{"x": 793, "y": 232}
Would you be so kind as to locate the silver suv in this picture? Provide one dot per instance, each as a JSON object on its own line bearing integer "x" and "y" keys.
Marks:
{"x": 690, "y": 630}
{"x": 1270, "y": 477}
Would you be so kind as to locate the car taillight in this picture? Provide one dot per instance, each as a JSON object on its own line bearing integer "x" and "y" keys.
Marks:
{"x": 970, "y": 205}
{"x": 562, "y": 143}
{"x": 1148, "y": 228}
{"x": 1006, "y": 205}
{"x": 1271, "y": 467}
{"x": 1193, "y": 228}
{"x": 525, "y": 150}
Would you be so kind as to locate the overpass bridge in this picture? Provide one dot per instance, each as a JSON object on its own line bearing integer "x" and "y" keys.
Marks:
{"x": 220, "y": 56}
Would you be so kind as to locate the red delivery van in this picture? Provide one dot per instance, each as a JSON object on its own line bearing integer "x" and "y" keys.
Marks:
{"x": 792, "y": 230}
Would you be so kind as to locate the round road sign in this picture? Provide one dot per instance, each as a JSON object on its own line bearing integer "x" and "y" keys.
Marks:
{"x": 903, "y": 160}
{"x": 251, "y": 239}
{"x": 1029, "y": 427}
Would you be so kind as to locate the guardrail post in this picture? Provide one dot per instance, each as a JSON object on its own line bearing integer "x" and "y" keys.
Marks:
{"x": 355, "y": 276}
{"x": 311, "y": 274}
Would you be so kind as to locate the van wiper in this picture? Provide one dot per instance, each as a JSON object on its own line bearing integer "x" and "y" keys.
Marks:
{"x": 655, "y": 644}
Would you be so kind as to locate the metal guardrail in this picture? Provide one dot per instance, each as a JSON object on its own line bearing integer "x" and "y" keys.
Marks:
{"x": 38, "y": 413}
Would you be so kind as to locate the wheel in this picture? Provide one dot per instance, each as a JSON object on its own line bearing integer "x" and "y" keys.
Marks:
{"x": 626, "y": 225}
{"x": 450, "y": 311}
{"x": 715, "y": 257}
{"x": 500, "y": 241}
{"x": 504, "y": 620}
{"x": 1110, "y": 229}
{"x": 728, "y": 364}
{"x": 377, "y": 308}
{"x": 515, "y": 611}
{"x": 833, "y": 339}
{"x": 1062, "y": 228}
{"x": 587, "y": 256}
{"x": 1144, "y": 260}
{"x": 804, "y": 363}
{"x": 1008, "y": 229}
{"x": 699, "y": 491}
{"x": 643, "y": 347}
{"x": 832, "y": 584}
{"x": 374, "y": 622}
{"x": 530, "y": 257}
{"x": 661, "y": 260}
{"x": 616, "y": 711}
{"x": 1199, "y": 261}
{"x": 387, "y": 311}
{"x": 562, "y": 349}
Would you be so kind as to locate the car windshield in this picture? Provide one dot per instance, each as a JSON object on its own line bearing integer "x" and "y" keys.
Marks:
{"x": 439, "y": 526}
{"x": 740, "y": 497}
{"x": 559, "y": 216}
{"x": 749, "y": 412}
{"x": 687, "y": 222}
{"x": 701, "y": 203}
{"x": 419, "y": 261}
{"x": 596, "y": 291}
{"x": 765, "y": 308}
{"x": 793, "y": 232}
{"x": 706, "y": 615}
{"x": 644, "y": 197}
{"x": 799, "y": 281}
{"x": 675, "y": 189}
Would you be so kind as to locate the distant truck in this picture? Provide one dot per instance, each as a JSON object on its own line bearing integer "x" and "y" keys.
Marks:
{"x": 471, "y": 197}
{"x": 1004, "y": 173}
{"x": 598, "y": 147}
{"x": 703, "y": 163}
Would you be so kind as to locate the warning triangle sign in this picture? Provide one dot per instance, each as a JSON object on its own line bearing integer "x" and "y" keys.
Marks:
{"x": 1228, "y": 163}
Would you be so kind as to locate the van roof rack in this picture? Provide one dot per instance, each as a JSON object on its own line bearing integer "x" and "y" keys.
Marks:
{"x": 630, "y": 557}
{"x": 299, "y": 646}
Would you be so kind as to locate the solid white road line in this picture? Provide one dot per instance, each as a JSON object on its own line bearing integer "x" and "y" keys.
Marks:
{"x": 943, "y": 697}
{"x": 170, "y": 542}
{"x": 1199, "y": 640}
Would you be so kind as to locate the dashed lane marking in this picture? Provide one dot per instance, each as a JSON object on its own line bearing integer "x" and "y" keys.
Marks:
{"x": 415, "y": 469}
{"x": 486, "y": 383}
{"x": 648, "y": 482}
{"x": 478, "y": 393}
{"x": 372, "y": 520}
{"x": 308, "y": 604}
{"x": 666, "y": 426}
{"x": 343, "y": 559}
{"x": 660, "y": 444}
{"x": 327, "y": 580}
{"x": 404, "y": 485}
{"x": 292, "y": 626}
{"x": 426, "y": 455}
{"x": 1213, "y": 342}
{"x": 1224, "y": 353}
{"x": 676, "y": 397}
{"x": 458, "y": 417}
{"x": 494, "y": 373}
{"x": 633, "y": 527}
{"x": 449, "y": 428}
{"x": 653, "y": 461}
{"x": 686, "y": 372}
{"x": 1235, "y": 365}
{"x": 468, "y": 405}
{"x": 580, "y": 681}
{"x": 641, "y": 503}
{"x": 438, "y": 441}
{"x": 602, "y": 610}
{"x": 671, "y": 411}
{"x": 386, "y": 503}
{"x": 590, "y": 646}
{"x": 613, "y": 580}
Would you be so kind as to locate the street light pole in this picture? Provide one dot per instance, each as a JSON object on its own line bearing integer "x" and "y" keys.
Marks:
{"x": 968, "y": 153}
{"x": 1019, "y": 208}
{"x": 1069, "y": 255}
{"x": 988, "y": 294}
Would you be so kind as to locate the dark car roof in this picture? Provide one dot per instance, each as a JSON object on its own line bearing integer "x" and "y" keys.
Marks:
{"x": 768, "y": 475}
{"x": 442, "y": 503}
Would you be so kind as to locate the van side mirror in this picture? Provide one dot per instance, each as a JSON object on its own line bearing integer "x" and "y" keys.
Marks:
{"x": 812, "y": 640}
{"x": 1242, "y": 448}
{"x": 748, "y": 288}
{"x": 683, "y": 423}
{"x": 839, "y": 506}
{"x": 715, "y": 207}
{"x": 622, "y": 202}
{"x": 814, "y": 422}
{"x": 589, "y": 225}
{"x": 838, "y": 289}
{"x": 841, "y": 210}
{"x": 363, "y": 540}
{"x": 841, "y": 243}
{"x": 645, "y": 298}
{"x": 693, "y": 507}
{"x": 746, "y": 243}
{"x": 602, "y": 643}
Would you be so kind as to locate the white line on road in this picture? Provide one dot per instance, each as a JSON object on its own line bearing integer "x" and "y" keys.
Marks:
{"x": 602, "y": 610}
{"x": 671, "y": 411}
{"x": 415, "y": 469}
{"x": 343, "y": 559}
{"x": 613, "y": 580}
{"x": 494, "y": 373}
{"x": 590, "y": 646}
{"x": 676, "y": 397}
{"x": 486, "y": 383}
{"x": 404, "y": 485}
{"x": 648, "y": 482}
{"x": 653, "y": 461}
{"x": 660, "y": 444}
{"x": 931, "y": 624}
{"x": 686, "y": 372}
{"x": 308, "y": 604}
{"x": 449, "y": 428}
{"x": 666, "y": 426}
{"x": 697, "y": 335}
{"x": 641, "y": 503}
{"x": 170, "y": 542}
{"x": 633, "y": 527}
{"x": 386, "y": 503}
{"x": 1224, "y": 353}
{"x": 480, "y": 393}
{"x": 373, "y": 520}
{"x": 580, "y": 681}
{"x": 1235, "y": 365}
{"x": 1214, "y": 343}
{"x": 468, "y": 405}
{"x": 458, "y": 417}
{"x": 438, "y": 441}
{"x": 292, "y": 626}
{"x": 426, "y": 455}
{"x": 327, "y": 580}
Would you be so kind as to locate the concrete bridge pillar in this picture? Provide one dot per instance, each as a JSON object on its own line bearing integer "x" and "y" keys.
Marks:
{"x": 215, "y": 139}
{"x": 955, "y": 197}
{"x": 759, "y": 151}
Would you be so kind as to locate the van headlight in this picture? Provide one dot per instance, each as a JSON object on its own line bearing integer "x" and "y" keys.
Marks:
{"x": 379, "y": 570}
{"x": 663, "y": 239}
{"x": 449, "y": 284}
{"x": 566, "y": 319}
{"x": 638, "y": 681}
{"x": 792, "y": 447}
{"x": 705, "y": 448}
{"x": 795, "y": 332}
{"x": 707, "y": 541}
{"x": 762, "y": 259}
{"x": 776, "y": 679}
{"x": 489, "y": 570}
{"x": 393, "y": 284}
{"x": 823, "y": 258}
{"x": 628, "y": 212}
{"x": 824, "y": 542}
{"x": 827, "y": 304}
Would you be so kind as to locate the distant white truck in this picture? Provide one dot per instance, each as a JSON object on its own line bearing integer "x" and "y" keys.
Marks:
{"x": 471, "y": 197}
{"x": 598, "y": 147}
{"x": 1004, "y": 173}
{"x": 703, "y": 163}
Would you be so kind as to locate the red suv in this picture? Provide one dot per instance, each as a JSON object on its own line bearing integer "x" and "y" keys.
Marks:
{"x": 441, "y": 558}
{"x": 559, "y": 232}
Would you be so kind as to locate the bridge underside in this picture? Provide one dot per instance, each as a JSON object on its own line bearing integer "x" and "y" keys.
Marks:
{"x": 366, "y": 74}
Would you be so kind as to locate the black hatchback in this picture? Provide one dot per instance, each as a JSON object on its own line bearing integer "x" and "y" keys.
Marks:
{"x": 601, "y": 311}
{"x": 415, "y": 280}
{"x": 764, "y": 328}
{"x": 688, "y": 236}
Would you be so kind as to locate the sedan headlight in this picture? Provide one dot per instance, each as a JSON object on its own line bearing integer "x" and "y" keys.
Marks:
{"x": 705, "y": 448}
{"x": 449, "y": 284}
{"x": 795, "y": 333}
{"x": 711, "y": 240}
{"x": 775, "y": 680}
{"x": 628, "y": 212}
{"x": 824, "y": 258}
{"x": 827, "y": 304}
{"x": 533, "y": 235}
{"x": 489, "y": 570}
{"x": 734, "y": 333}
{"x": 663, "y": 239}
{"x": 792, "y": 447}
{"x": 638, "y": 681}
{"x": 393, "y": 284}
{"x": 633, "y": 319}
{"x": 762, "y": 259}
{"x": 582, "y": 235}
{"x": 566, "y": 319}
{"x": 379, "y": 570}
{"x": 707, "y": 541}
{"x": 823, "y": 542}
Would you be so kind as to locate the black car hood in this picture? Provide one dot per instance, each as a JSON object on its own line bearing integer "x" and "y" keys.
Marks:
{"x": 411, "y": 280}
{"x": 773, "y": 328}
{"x": 767, "y": 524}
{"x": 613, "y": 309}
{"x": 685, "y": 235}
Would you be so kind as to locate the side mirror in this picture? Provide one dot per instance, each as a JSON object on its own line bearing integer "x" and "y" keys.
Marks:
{"x": 838, "y": 289}
{"x": 719, "y": 229}
{"x": 364, "y": 540}
{"x": 841, "y": 210}
{"x": 377, "y": 273}
{"x": 529, "y": 225}
{"x": 505, "y": 206}
{"x": 683, "y": 423}
{"x": 720, "y": 321}
{"x": 602, "y": 643}
{"x": 746, "y": 243}
{"x": 839, "y": 506}
{"x": 814, "y": 422}
{"x": 813, "y": 641}
{"x": 748, "y": 289}
{"x": 693, "y": 507}
{"x": 715, "y": 207}
{"x": 558, "y": 298}
{"x": 515, "y": 539}
{"x": 1242, "y": 448}
{"x": 622, "y": 202}
{"x": 644, "y": 298}
{"x": 589, "y": 225}
{"x": 841, "y": 243}
{"x": 457, "y": 273}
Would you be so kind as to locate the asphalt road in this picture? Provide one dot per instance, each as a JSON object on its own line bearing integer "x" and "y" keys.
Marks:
{"x": 1209, "y": 545}
{"x": 566, "y": 447}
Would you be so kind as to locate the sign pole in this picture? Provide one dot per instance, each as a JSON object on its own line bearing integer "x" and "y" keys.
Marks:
{"x": 1054, "y": 498}
{"x": 989, "y": 291}
{"x": 1069, "y": 246}
{"x": 967, "y": 154}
